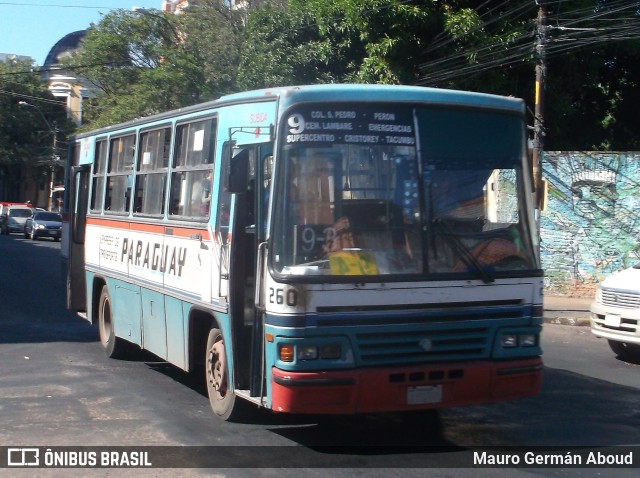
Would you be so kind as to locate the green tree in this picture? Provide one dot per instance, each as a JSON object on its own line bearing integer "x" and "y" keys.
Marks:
{"x": 314, "y": 41}
{"x": 144, "y": 61}
{"x": 136, "y": 61}
{"x": 281, "y": 46}
{"x": 211, "y": 34}
{"x": 592, "y": 67}
{"x": 29, "y": 114}
{"x": 593, "y": 76}
{"x": 151, "y": 62}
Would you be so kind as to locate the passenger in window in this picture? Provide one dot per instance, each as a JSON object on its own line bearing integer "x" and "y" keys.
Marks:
{"x": 201, "y": 196}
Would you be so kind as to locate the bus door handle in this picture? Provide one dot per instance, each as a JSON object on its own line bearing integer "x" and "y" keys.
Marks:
{"x": 260, "y": 263}
{"x": 224, "y": 262}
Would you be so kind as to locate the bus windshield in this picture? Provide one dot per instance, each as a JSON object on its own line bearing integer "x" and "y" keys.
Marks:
{"x": 397, "y": 190}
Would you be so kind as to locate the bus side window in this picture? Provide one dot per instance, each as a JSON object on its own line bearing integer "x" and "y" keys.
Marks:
{"x": 120, "y": 173}
{"x": 153, "y": 160}
{"x": 192, "y": 169}
{"x": 99, "y": 170}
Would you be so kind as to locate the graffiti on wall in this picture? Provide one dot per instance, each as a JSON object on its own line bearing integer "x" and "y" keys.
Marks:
{"x": 592, "y": 220}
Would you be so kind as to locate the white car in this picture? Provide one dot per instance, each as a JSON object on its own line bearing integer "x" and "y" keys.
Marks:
{"x": 615, "y": 314}
{"x": 15, "y": 219}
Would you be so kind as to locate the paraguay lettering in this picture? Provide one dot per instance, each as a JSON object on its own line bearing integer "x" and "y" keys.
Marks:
{"x": 154, "y": 256}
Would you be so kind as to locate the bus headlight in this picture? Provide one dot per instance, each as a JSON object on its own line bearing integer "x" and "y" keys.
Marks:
{"x": 307, "y": 352}
{"x": 518, "y": 340}
{"x": 527, "y": 340}
{"x": 300, "y": 352}
{"x": 509, "y": 340}
{"x": 331, "y": 351}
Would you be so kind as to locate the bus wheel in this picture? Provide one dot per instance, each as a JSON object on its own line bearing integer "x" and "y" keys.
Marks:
{"x": 113, "y": 346}
{"x": 223, "y": 400}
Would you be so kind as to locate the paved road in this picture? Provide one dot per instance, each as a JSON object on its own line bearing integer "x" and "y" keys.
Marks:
{"x": 58, "y": 388}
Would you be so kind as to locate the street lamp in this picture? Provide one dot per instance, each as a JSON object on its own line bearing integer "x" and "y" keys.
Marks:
{"x": 54, "y": 147}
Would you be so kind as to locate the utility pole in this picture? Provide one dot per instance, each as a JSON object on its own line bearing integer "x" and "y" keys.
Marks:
{"x": 538, "y": 126}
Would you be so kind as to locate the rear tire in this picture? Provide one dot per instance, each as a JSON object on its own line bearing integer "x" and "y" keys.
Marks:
{"x": 625, "y": 351}
{"x": 114, "y": 347}
{"x": 221, "y": 397}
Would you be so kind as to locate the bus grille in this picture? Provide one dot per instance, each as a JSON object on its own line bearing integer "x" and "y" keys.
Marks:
{"x": 616, "y": 298}
{"x": 423, "y": 345}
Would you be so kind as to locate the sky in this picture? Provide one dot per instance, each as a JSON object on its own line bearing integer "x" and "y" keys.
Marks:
{"x": 33, "y": 27}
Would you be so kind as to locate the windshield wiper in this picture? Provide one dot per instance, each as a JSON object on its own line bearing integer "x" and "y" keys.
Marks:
{"x": 463, "y": 251}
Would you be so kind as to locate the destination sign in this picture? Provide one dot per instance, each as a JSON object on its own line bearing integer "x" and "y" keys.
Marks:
{"x": 355, "y": 124}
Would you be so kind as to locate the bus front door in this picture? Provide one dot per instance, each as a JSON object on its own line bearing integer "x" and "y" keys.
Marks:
{"x": 78, "y": 204}
{"x": 248, "y": 226}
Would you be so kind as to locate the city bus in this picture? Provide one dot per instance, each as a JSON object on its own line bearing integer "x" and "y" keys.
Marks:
{"x": 326, "y": 249}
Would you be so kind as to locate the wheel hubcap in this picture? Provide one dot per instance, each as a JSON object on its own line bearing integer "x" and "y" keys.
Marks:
{"x": 216, "y": 366}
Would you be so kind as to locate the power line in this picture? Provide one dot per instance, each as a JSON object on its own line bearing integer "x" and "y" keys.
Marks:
{"x": 519, "y": 49}
{"x": 52, "y": 5}
{"x": 30, "y": 97}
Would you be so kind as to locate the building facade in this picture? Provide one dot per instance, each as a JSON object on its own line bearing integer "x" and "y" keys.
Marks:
{"x": 590, "y": 226}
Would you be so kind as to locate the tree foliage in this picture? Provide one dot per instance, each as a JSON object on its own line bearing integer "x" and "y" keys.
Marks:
{"x": 151, "y": 62}
{"x": 314, "y": 41}
{"x": 29, "y": 118}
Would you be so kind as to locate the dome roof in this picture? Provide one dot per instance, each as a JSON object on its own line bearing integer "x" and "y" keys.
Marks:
{"x": 64, "y": 47}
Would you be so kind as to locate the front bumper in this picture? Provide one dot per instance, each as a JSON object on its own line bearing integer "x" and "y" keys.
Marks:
{"x": 622, "y": 326}
{"x": 403, "y": 389}
{"x": 55, "y": 233}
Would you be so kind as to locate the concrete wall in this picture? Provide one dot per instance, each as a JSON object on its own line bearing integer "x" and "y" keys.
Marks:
{"x": 590, "y": 226}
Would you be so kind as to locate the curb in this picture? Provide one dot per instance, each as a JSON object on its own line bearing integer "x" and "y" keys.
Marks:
{"x": 576, "y": 321}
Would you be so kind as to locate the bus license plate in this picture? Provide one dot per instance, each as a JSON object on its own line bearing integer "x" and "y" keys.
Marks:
{"x": 612, "y": 320}
{"x": 424, "y": 394}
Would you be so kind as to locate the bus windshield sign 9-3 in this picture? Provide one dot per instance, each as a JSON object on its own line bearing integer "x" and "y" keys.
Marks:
{"x": 401, "y": 192}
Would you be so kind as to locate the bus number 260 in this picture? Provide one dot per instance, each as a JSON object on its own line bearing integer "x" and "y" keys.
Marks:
{"x": 278, "y": 296}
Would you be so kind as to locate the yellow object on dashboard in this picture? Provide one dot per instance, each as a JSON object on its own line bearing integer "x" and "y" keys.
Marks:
{"x": 353, "y": 263}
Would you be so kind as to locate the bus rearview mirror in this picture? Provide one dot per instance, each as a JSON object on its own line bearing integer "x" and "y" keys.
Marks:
{"x": 238, "y": 172}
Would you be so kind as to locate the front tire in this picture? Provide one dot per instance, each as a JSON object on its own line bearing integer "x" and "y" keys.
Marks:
{"x": 625, "y": 351}
{"x": 221, "y": 397}
{"x": 114, "y": 347}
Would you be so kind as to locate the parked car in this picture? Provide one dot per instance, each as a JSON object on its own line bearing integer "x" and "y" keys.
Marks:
{"x": 43, "y": 224}
{"x": 615, "y": 313}
{"x": 14, "y": 219}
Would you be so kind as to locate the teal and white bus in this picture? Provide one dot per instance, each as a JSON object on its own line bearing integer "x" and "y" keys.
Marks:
{"x": 328, "y": 249}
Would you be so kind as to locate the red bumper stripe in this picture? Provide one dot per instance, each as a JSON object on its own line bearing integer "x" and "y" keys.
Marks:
{"x": 398, "y": 389}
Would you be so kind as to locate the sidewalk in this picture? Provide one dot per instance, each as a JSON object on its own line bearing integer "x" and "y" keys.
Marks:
{"x": 566, "y": 310}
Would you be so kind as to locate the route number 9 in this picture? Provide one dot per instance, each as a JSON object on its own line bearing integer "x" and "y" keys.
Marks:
{"x": 296, "y": 123}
